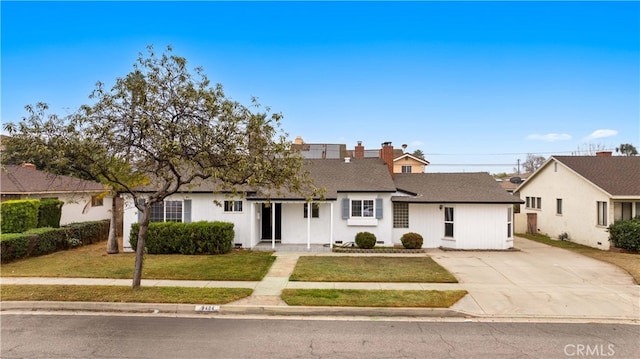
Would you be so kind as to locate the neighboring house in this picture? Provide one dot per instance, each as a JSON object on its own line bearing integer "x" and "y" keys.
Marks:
{"x": 83, "y": 200}
{"x": 408, "y": 163}
{"x": 581, "y": 196}
{"x": 510, "y": 183}
{"x": 360, "y": 195}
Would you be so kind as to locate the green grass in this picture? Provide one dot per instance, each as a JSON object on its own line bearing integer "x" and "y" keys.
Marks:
{"x": 630, "y": 262}
{"x": 372, "y": 298}
{"x": 121, "y": 294}
{"x": 92, "y": 262}
{"x": 370, "y": 269}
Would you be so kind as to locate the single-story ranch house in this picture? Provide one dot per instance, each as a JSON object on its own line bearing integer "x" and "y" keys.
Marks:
{"x": 454, "y": 210}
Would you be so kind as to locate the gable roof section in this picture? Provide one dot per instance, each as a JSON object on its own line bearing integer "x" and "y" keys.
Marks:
{"x": 616, "y": 175}
{"x": 424, "y": 162}
{"x": 477, "y": 187}
{"x": 20, "y": 180}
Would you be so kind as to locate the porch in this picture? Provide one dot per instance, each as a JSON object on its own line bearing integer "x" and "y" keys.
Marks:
{"x": 279, "y": 247}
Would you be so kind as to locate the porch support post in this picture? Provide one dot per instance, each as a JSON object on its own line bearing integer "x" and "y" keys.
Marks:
{"x": 273, "y": 226}
{"x": 331, "y": 226}
{"x": 309, "y": 214}
{"x": 252, "y": 227}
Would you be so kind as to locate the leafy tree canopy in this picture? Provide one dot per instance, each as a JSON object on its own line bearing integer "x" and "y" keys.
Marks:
{"x": 627, "y": 149}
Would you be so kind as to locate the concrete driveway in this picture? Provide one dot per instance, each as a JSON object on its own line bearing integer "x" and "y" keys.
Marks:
{"x": 540, "y": 280}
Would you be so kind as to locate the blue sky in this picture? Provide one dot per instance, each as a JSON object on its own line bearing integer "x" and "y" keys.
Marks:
{"x": 474, "y": 85}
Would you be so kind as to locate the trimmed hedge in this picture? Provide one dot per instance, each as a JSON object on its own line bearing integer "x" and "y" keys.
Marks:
{"x": 411, "y": 240}
{"x": 186, "y": 238}
{"x": 626, "y": 234}
{"x": 19, "y": 215}
{"x": 41, "y": 241}
{"x": 50, "y": 213}
{"x": 365, "y": 240}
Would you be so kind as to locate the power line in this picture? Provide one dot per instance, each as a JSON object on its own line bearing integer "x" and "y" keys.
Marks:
{"x": 511, "y": 153}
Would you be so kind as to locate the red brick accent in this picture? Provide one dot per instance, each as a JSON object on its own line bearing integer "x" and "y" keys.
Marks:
{"x": 386, "y": 153}
{"x": 359, "y": 151}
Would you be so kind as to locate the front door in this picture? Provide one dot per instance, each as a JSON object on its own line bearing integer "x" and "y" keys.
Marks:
{"x": 267, "y": 219}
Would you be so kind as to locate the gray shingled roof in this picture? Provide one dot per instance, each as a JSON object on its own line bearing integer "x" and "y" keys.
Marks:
{"x": 20, "y": 180}
{"x": 617, "y": 175}
{"x": 451, "y": 188}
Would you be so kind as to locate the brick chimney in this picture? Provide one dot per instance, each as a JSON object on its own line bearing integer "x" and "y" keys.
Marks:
{"x": 603, "y": 154}
{"x": 386, "y": 154}
{"x": 358, "y": 152}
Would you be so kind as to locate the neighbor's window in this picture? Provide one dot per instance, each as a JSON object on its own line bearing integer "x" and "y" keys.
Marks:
{"x": 558, "y": 205}
{"x": 448, "y": 221}
{"x": 400, "y": 215}
{"x": 602, "y": 213}
{"x": 233, "y": 206}
{"x": 97, "y": 201}
{"x": 539, "y": 203}
{"x": 528, "y": 202}
{"x": 315, "y": 210}
{"x": 406, "y": 169}
{"x": 362, "y": 208}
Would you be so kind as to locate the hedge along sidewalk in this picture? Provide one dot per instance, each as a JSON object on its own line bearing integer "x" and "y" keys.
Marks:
{"x": 91, "y": 261}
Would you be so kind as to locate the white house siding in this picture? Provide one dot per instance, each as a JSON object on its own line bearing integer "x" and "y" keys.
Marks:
{"x": 294, "y": 225}
{"x": 345, "y": 230}
{"x": 77, "y": 207}
{"x": 579, "y": 202}
{"x": 476, "y": 226}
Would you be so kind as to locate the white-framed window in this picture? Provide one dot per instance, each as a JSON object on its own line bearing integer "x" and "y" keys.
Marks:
{"x": 509, "y": 221}
{"x": 362, "y": 208}
{"x": 233, "y": 206}
{"x": 97, "y": 201}
{"x": 315, "y": 210}
{"x": 558, "y": 205}
{"x": 406, "y": 169}
{"x": 400, "y": 215}
{"x": 448, "y": 222}
{"x": 602, "y": 213}
{"x": 167, "y": 211}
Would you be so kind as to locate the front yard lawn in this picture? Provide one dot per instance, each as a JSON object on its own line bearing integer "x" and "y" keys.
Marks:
{"x": 121, "y": 294}
{"x": 370, "y": 269}
{"x": 629, "y": 262}
{"x": 373, "y": 298}
{"x": 91, "y": 261}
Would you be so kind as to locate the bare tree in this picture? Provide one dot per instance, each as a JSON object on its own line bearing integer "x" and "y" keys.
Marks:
{"x": 532, "y": 163}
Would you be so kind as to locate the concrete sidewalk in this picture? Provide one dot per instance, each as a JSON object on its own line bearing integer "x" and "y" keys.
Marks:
{"x": 536, "y": 282}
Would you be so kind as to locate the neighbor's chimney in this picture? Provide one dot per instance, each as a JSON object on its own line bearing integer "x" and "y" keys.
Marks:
{"x": 30, "y": 166}
{"x": 603, "y": 154}
{"x": 386, "y": 153}
{"x": 359, "y": 151}
{"x": 298, "y": 141}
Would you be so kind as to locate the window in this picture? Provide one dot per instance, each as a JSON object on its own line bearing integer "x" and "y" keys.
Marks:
{"x": 400, "y": 215}
{"x": 448, "y": 221}
{"x": 622, "y": 210}
{"x": 406, "y": 169}
{"x": 97, "y": 201}
{"x": 533, "y": 202}
{"x": 315, "y": 210}
{"x": 558, "y": 205}
{"x": 362, "y": 208}
{"x": 539, "y": 203}
{"x": 233, "y": 206}
{"x": 167, "y": 211}
{"x": 602, "y": 213}
{"x": 528, "y": 202}
{"x": 509, "y": 221}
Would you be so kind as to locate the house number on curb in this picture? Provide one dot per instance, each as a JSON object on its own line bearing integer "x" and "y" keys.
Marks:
{"x": 207, "y": 308}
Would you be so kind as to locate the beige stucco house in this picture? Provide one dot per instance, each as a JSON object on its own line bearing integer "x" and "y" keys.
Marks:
{"x": 580, "y": 196}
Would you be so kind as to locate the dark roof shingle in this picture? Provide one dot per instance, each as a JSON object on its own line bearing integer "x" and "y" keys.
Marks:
{"x": 20, "y": 180}
{"x": 617, "y": 175}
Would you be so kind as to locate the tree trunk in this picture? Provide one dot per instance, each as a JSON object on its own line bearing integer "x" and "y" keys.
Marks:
{"x": 142, "y": 235}
{"x": 112, "y": 242}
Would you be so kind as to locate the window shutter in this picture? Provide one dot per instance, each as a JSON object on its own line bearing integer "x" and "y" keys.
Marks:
{"x": 141, "y": 204}
{"x": 378, "y": 208}
{"x": 345, "y": 208}
{"x": 186, "y": 207}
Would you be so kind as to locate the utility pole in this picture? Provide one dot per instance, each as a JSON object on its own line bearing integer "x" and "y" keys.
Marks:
{"x": 518, "y": 166}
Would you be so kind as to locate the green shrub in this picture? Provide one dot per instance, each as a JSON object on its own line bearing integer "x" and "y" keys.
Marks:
{"x": 365, "y": 240}
{"x": 185, "y": 238}
{"x": 626, "y": 234}
{"x": 411, "y": 240}
{"x": 49, "y": 213}
{"x": 39, "y": 241}
{"x": 19, "y": 215}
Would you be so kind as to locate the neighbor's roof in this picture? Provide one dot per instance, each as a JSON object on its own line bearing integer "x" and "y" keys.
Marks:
{"x": 451, "y": 188}
{"x": 421, "y": 160}
{"x": 616, "y": 175}
{"x": 361, "y": 175}
{"x": 16, "y": 179}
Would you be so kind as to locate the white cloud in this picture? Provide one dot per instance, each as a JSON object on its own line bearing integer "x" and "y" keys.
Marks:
{"x": 602, "y": 133}
{"x": 550, "y": 137}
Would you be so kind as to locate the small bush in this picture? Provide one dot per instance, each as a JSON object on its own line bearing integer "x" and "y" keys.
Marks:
{"x": 185, "y": 238}
{"x": 626, "y": 234}
{"x": 19, "y": 215}
{"x": 411, "y": 240}
{"x": 49, "y": 213}
{"x": 365, "y": 240}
